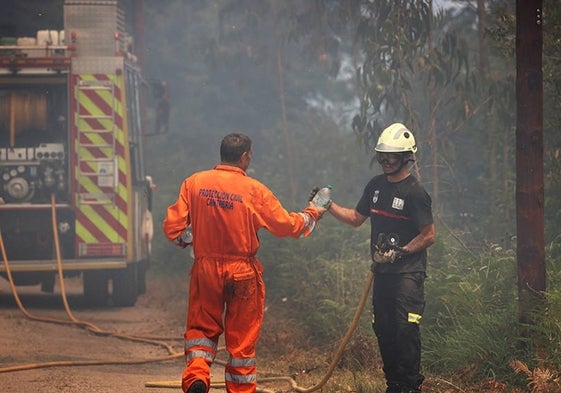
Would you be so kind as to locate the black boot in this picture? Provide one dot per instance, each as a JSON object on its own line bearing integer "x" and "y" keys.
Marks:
{"x": 393, "y": 388}
{"x": 197, "y": 387}
{"x": 411, "y": 390}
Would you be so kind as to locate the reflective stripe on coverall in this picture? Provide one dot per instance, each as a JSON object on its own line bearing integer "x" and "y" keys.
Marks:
{"x": 226, "y": 208}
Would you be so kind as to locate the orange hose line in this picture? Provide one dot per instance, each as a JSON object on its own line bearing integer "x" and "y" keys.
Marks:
{"x": 172, "y": 354}
{"x": 73, "y": 320}
{"x": 293, "y": 384}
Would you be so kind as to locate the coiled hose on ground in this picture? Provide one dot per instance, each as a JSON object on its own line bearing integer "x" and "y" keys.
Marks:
{"x": 290, "y": 380}
{"x": 172, "y": 354}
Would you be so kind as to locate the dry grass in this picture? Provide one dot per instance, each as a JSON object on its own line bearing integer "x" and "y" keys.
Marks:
{"x": 540, "y": 380}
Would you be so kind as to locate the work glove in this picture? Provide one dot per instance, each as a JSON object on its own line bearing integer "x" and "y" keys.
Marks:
{"x": 386, "y": 257}
{"x": 321, "y": 197}
{"x": 313, "y": 193}
{"x": 185, "y": 239}
{"x": 178, "y": 241}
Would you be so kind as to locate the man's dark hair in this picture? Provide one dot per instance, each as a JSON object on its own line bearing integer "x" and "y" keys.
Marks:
{"x": 233, "y": 146}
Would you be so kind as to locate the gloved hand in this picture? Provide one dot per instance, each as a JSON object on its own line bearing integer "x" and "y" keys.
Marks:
{"x": 185, "y": 239}
{"x": 321, "y": 197}
{"x": 313, "y": 193}
{"x": 178, "y": 241}
{"x": 388, "y": 256}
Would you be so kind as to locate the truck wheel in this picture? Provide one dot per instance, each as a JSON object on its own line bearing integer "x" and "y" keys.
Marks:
{"x": 96, "y": 288}
{"x": 125, "y": 286}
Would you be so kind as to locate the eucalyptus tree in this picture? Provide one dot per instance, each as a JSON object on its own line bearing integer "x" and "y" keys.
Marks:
{"x": 294, "y": 48}
{"x": 502, "y": 40}
{"x": 417, "y": 69}
{"x": 414, "y": 64}
{"x": 552, "y": 119}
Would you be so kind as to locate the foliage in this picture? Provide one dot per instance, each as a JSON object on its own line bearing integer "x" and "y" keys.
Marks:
{"x": 471, "y": 312}
{"x": 393, "y": 36}
{"x": 471, "y": 324}
{"x": 322, "y": 288}
{"x": 539, "y": 380}
{"x": 221, "y": 59}
{"x": 545, "y": 334}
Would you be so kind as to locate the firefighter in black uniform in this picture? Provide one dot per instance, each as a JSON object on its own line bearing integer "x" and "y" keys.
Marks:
{"x": 402, "y": 229}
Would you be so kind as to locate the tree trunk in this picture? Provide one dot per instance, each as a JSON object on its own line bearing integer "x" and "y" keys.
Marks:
{"x": 529, "y": 158}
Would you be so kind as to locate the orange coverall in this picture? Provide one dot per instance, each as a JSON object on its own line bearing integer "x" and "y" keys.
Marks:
{"x": 225, "y": 209}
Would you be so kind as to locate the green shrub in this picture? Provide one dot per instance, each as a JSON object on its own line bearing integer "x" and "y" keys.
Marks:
{"x": 471, "y": 323}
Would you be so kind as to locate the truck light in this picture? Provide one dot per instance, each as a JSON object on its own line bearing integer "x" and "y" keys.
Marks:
{"x": 100, "y": 249}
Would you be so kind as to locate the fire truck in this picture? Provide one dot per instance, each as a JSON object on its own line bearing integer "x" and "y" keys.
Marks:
{"x": 71, "y": 155}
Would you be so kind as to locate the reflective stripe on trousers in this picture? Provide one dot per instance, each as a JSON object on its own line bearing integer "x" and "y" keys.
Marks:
{"x": 191, "y": 352}
{"x": 240, "y": 371}
{"x": 199, "y": 355}
{"x": 225, "y": 296}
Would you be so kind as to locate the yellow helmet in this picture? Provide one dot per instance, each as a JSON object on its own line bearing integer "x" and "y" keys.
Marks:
{"x": 396, "y": 139}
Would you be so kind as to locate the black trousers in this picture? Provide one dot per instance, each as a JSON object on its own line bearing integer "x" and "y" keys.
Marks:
{"x": 398, "y": 304}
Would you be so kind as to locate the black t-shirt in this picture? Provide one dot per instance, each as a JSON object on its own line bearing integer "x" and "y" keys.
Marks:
{"x": 397, "y": 208}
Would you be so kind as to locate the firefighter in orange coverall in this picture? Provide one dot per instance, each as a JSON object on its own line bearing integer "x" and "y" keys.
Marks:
{"x": 225, "y": 208}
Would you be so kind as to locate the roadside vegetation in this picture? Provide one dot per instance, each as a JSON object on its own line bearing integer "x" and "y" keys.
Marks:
{"x": 301, "y": 78}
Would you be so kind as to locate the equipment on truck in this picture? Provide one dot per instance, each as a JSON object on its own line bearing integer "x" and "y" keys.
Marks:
{"x": 71, "y": 125}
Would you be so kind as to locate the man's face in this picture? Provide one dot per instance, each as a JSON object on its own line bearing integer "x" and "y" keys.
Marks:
{"x": 390, "y": 162}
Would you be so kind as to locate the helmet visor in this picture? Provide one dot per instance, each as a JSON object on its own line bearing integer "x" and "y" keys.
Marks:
{"x": 388, "y": 158}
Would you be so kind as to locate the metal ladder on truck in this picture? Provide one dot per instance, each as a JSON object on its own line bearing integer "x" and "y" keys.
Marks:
{"x": 96, "y": 146}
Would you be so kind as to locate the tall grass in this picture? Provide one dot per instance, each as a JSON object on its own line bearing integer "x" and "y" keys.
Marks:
{"x": 320, "y": 281}
{"x": 471, "y": 328}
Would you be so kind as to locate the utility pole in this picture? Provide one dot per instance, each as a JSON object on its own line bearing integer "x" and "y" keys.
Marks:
{"x": 529, "y": 158}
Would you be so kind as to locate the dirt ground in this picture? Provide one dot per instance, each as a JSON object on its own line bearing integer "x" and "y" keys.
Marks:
{"x": 121, "y": 365}
{"x": 25, "y": 342}
{"x": 27, "y": 345}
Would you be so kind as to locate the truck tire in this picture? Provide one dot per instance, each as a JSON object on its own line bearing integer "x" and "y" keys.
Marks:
{"x": 96, "y": 288}
{"x": 125, "y": 286}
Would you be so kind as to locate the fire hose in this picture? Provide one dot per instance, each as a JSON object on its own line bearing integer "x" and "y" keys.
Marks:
{"x": 172, "y": 354}
{"x": 290, "y": 380}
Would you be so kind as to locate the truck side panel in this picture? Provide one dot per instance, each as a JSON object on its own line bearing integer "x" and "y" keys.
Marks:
{"x": 71, "y": 133}
{"x": 101, "y": 170}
